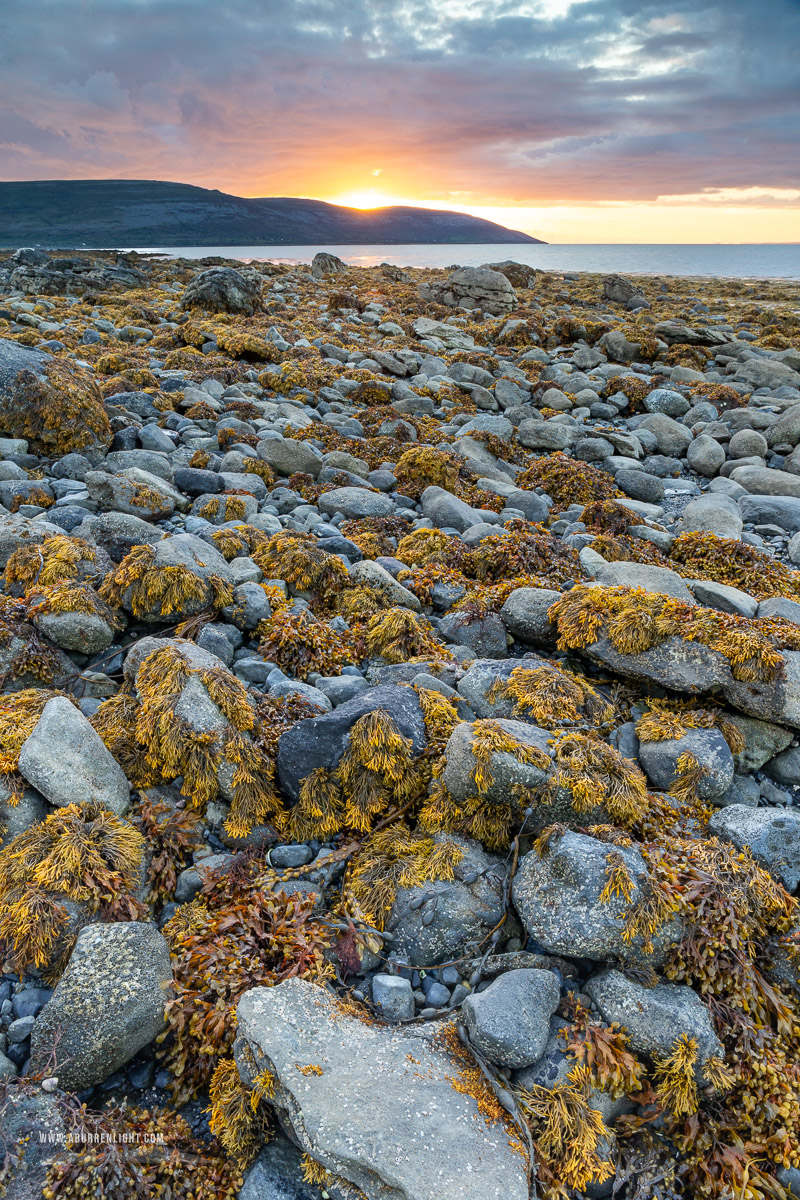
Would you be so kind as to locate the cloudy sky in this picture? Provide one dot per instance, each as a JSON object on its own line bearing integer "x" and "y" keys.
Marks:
{"x": 590, "y": 120}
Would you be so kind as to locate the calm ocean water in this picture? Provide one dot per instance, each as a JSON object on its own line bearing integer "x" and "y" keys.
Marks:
{"x": 776, "y": 261}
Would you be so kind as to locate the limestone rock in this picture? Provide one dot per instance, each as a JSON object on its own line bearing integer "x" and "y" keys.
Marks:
{"x": 108, "y": 1004}
{"x": 360, "y": 1117}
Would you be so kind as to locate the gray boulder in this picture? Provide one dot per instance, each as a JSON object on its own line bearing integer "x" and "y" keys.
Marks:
{"x": 321, "y": 741}
{"x": 654, "y": 1018}
{"x": 786, "y": 429}
{"x": 506, "y": 769}
{"x": 445, "y": 510}
{"x": 473, "y": 287}
{"x": 660, "y": 760}
{"x": 524, "y": 615}
{"x": 672, "y": 438}
{"x": 705, "y": 456}
{"x": 558, "y": 900}
{"x": 773, "y": 835}
{"x": 783, "y": 511}
{"x": 766, "y": 372}
{"x": 355, "y": 503}
{"x": 712, "y": 513}
{"x": 67, "y": 762}
{"x": 193, "y": 555}
{"x": 393, "y": 995}
{"x": 723, "y": 597}
{"x": 664, "y": 400}
{"x": 509, "y": 1022}
{"x": 16, "y": 531}
{"x": 287, "y": 455}
{"x": 459, "y": 914}
{"x": 763, "y": 481}
{"x": 763, "y": 741}
{"x": 360, "y": 1115}
{"x": 224, "y": 289}
{"x": 84, "y": 632}
{"x": 784, "y": 768}
{"x": 108, "y": 1004}
{"x": 642, "y": 575}
{"x": 324, "y": 264}
{"x": 117, "y": 533}
{"x": 277, "y": 1174}
{"x": 619, "y": 290}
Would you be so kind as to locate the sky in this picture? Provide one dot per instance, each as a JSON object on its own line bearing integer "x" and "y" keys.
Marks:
{"x": 573, "y": 120}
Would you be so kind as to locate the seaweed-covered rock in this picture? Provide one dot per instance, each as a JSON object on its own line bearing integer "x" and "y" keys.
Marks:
{"x": 559, "y": 896}
{"x": 320, "y": 741}
{"x": 505, "y": 759}
{"x": 56, "y": 406}
{"x": 654, "y": 1018}
{"x": 709, "y": 749}
{"x": 772, "y": 834}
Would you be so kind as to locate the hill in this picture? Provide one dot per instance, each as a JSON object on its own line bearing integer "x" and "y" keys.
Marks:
{"x": 107, "y": 213}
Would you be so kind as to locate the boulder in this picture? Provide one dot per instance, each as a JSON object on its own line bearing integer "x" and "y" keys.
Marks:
{"x": 445, "y": 510}
{"x": 525, "y": 616}
{"x": 321, "y": 741}
{"x": 773, "y": 835}
{"x": 372, "y": 574}
{"x": 108, "y": 1004}
{"x": 642, "y": 575}
{"x": 473, "y": 287}
{"x": 766, "y": 372}
{"x": 509, "y": 1022}
{"x": 16, "y": 531}
{"x": 655, "y": 1017}
{"x": 507, "y": 771}
{"x": 619, "y": 290}
{"x": 288, "y": 456}
{"x": 194, "y": 557}
{"x": 224, "y": 289}
{"x": 358, "y": 1114}
{"x": 356, "y": 503}
{"x": 557, "y": 897}
{"x": 672, "y": 438}
{"x": 705, "y": 456}
{"x": 708, "y": 746}
{"x": 324, "y": 265}
{"x": 712, "y": 513}
{"x": 783, "y": 511}
{"x": 67, "y": 762}
{"x": 763, "y": 481}
{"x": 456, "y": 916}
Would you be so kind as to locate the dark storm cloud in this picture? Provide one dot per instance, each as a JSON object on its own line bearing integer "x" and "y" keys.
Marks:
{"x": 525, "y": 99}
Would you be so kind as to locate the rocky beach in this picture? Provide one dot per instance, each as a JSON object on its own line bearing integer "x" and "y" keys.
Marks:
{"x": 399, "y": 732}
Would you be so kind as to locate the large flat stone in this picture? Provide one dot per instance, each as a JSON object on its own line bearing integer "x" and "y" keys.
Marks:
{"x": 383, "y": 1112}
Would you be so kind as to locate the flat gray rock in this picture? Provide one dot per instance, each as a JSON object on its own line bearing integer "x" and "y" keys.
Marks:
{"x": 383, "y": 1112}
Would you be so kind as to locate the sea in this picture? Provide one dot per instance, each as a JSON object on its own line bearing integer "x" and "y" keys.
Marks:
{"x": 756, "y": 261}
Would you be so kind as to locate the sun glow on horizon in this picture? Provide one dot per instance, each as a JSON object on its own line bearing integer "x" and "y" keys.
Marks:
{"x": 729, "y": 215}
{"x": 367, "y": 198}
